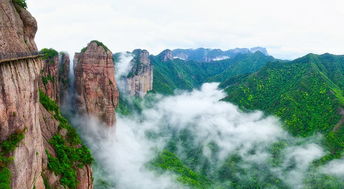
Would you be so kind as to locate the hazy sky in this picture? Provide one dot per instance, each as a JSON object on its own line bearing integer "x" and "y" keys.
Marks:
{"x": 287, "y": 28}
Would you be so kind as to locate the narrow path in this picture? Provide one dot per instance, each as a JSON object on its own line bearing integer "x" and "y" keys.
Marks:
{"x": 18, "y": 56}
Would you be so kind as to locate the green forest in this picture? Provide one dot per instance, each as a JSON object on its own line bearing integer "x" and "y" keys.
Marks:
{"x": 306, "y": 94}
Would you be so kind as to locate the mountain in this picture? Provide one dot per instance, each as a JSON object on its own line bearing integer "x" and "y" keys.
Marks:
{"x": 209, "y": 55}
{"x": 243, "y": 64}
{"x": 180, "y": 74}
{"x": 95, "y": 85}
{"x": 166, "y": 55}
{"x": 307, "y": 94}
{"x": 140, "y": 78}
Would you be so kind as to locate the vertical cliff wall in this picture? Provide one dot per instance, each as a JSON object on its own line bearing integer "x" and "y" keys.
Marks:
{"x": 63, "y": 76}
{"x": 54, "y": 76}
{"x": 21, "y": 111}
{"x": 95, "y": 85}
{"x": 140, "y": 79}
{"x": 19, "y": 108}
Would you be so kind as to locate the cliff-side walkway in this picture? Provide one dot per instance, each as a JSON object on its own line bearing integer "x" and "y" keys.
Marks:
{"x": 13, "y": 57}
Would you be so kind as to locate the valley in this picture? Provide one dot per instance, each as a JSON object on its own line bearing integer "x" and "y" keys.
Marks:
{"x": 197, "y": 118}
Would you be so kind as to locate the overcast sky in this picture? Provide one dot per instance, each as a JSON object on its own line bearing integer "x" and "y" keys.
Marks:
{"x": 287, "y": 28}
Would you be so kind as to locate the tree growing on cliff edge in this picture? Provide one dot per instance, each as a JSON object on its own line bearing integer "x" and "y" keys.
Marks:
{"x": 49, "y": 54}
{"x": 21, "y": 3}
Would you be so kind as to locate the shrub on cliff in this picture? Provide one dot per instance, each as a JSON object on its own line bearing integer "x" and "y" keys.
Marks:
{"x": 49, "y": 54}
{"x": 48, "y": 78}
{"x": 98, "y": 43}
{"x": 21, "y": 3}
{"x": 71, "y": 154}
{"x": 6, "y": 147}
{"x": 67, "y": 159}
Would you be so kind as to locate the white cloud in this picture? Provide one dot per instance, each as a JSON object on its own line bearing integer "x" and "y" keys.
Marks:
{"x": 302, "y": 157}
{"x": 287, "y": 28}
{"x": 124, "y": 153}
{"x": 335, "y": 167}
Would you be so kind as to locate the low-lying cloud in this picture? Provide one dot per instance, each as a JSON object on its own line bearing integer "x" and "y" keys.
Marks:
{"x": 123, "y": 152}
{"x": 335, "y": 168}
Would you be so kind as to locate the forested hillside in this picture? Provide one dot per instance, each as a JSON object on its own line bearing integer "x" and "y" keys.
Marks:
{"x": 243, "y": 64}
{"x": 180, "y": 74}
{"x": 307, "y": 94}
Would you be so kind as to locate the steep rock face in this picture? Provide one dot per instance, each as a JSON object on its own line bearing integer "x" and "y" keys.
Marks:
{"x": 19, "y": 110}
{"x": 49, "y": 83}
{"x": 19, "y": 103}
{"x": 140, "y": 78}
{"x": 54, "y": 80}
{"x": 50, "y": 127}
{"x": 95, "y": 85}
{"x": 85, "y": 177}
{"x": 18, "y": 97}
{"x": 18, "y": 28}
{"x": 64, "y": 69}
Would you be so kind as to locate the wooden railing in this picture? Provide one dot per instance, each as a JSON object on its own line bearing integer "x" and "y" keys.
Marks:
{"x": 11, "y": 57}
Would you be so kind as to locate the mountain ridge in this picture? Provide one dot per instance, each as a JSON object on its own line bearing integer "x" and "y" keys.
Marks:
{"x": 304, "y": 93}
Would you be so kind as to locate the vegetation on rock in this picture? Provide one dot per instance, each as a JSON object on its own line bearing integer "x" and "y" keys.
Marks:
{"x": 46, "y": 79}
{"x": 71, "y": 154}
{"x": 100, "y": 44}
{"x": 6, "y": 147}
{"x": 21, "y": 3}
{"x": 68, "y": 159}
{"x": 49, "y": 54}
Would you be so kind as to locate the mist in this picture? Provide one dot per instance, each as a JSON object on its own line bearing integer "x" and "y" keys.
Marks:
{"x": 123, "y": 153}
{"x": 335, "y": 168}
{"x": 123, "y": 67}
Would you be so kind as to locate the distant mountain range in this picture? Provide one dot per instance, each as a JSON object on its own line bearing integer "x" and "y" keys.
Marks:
{"x": 209, "y": 55}
{"x": 171, "y": 74}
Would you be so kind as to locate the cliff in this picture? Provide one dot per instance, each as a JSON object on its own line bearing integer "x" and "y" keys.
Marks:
{"x": 140, "y": 79}
{"x": 54, "y": 75}
{"x": 26, "y": 127}
{"x": 63, "y": 76}
{"x": 18, "y": 28}
{"x": 95, "y": 85}
{"x": 19, "y": 108}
